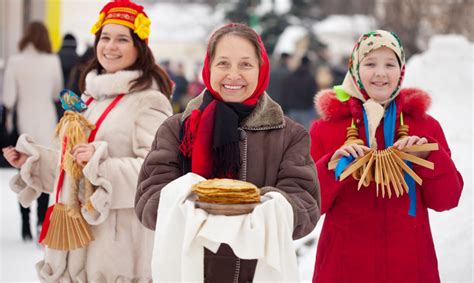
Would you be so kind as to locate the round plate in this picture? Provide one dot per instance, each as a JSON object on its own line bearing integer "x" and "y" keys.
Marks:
{"x": 226, "y": 209}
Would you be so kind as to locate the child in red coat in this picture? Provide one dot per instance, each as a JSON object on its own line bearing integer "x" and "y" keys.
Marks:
{"x": 367, "y": 237}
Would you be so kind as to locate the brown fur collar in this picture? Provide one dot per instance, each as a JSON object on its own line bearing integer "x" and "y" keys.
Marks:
{"x": 411, "y": 101}
{"x": 267, "y": 113}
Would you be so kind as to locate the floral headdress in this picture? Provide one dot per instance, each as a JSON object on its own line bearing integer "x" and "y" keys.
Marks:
{"x": 126, "y": 13}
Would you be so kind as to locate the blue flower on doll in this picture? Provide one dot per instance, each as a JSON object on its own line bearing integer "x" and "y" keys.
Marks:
{"x": 71, "y": 101}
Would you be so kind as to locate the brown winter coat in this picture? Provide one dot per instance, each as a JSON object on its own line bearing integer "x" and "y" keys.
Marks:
{"x": 275, "y": 157}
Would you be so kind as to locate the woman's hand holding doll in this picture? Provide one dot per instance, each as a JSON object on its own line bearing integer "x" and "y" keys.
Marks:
{"x": 82, "y": 153}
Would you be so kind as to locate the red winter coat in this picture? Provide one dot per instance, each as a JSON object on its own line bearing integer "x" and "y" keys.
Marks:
{"x": 373, "y": 239}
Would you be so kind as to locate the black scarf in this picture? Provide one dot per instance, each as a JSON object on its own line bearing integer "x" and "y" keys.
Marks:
{"x": 225, "y": 136}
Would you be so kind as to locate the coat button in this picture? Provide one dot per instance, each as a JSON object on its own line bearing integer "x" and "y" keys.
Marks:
{"x": 243, "y": 135}
{"x": 358, "y": 121}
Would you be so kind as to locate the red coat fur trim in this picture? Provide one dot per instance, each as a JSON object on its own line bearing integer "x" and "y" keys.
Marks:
{"x": 412, "y": 101}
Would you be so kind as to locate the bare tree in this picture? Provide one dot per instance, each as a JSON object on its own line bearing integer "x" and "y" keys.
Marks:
{"x": 415, "y": 21}
{"x": 454, "y": 16}
{"x": 344, "y": 7}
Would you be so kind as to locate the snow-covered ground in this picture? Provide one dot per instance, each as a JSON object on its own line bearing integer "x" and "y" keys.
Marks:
{"x": 17, "y": 259}
{"x": 445, "y": 70}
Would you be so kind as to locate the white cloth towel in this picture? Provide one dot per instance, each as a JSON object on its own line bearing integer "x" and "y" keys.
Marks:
{"x": 182, "y": 232}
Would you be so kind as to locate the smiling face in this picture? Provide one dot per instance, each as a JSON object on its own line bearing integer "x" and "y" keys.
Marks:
{"x": 234, "y": 68}
{"x": 379, "y": 72}
{"x": 115, "y": 49}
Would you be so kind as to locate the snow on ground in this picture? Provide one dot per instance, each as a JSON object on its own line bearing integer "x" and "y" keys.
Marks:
{"x": 445, "y": 70}
{"x": 17, "y": 259}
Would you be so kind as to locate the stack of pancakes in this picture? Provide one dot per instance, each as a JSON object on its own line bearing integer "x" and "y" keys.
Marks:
{"x": 226, "y": 191}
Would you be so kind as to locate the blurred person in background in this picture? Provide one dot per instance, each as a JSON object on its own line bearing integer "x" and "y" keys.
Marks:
{"x": 327, "y": 71}
{"x": 179, "y": 98}
{"x": 196, "y": 86}
{"x": 69, "y": 58}
{"x": 367, "y": 237}
{"x": 322, "y": 68}
{"x": 232, "y": 130}
{"x": 33, "y": 80}
{"x": 166, "y": 65}
{"x": 77, "y": 70}
{"x": 7, "y": 138}
{"x": 127, "y": 95}
{"x": 339, "y": 71}
{"x": 278, "y": 75}
{"x": 298, "y": 92}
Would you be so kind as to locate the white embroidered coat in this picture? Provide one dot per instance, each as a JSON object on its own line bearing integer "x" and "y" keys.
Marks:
{"x": 122, "y": 249}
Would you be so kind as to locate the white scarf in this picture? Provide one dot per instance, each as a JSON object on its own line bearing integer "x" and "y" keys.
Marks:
{"x": 182, "y": 232}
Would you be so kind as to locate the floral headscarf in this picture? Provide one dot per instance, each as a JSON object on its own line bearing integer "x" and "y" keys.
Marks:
{"x": 367, "y": 43}
{"x": 352, "y": 83}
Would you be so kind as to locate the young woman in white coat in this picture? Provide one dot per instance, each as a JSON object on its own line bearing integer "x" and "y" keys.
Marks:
{"x": 32, "y": 82}
{"x": 123, "y": 71}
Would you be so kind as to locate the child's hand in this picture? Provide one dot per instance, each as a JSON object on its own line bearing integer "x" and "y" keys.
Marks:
{"x": 82, "y": 153}
{"x": 15, "y": 158}
{"x": 412, "y": 140}
{"x": 351, "y": 149}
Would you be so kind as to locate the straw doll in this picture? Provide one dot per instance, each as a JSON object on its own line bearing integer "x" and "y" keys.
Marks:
{"x": 65, "y": 228}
